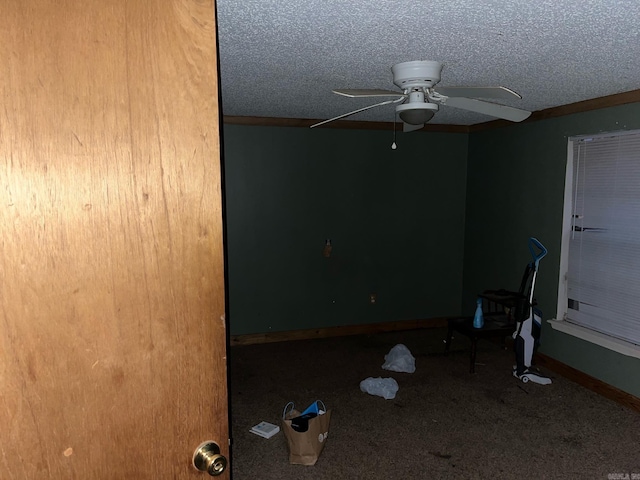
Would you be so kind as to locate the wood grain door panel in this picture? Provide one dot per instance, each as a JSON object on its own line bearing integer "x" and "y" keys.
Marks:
{"x": 112, "y": 340}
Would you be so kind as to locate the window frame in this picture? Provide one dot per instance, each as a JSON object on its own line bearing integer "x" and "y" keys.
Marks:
{"x": 559, "y": 323}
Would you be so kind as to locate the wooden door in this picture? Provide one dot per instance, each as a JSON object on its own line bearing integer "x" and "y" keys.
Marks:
{"x": 112, "y": 331}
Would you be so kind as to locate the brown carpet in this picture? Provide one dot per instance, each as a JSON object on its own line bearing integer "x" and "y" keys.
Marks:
{"x": 444, "y": 422}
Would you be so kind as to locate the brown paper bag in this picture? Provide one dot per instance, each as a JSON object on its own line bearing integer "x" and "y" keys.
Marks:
{"x": 305, "y": 447}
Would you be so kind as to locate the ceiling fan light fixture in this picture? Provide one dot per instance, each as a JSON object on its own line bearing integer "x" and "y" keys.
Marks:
{"x": 417, "y": 80}
{"x": 416, "y": 114}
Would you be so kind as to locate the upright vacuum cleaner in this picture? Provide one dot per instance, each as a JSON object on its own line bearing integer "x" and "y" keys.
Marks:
{"x": 527, "y": 334}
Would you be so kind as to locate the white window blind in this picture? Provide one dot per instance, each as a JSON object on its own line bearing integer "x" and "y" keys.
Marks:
{"x": 603, "y": 281}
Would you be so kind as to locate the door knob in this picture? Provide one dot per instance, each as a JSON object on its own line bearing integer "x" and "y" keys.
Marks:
{"x": 207, "y": 458}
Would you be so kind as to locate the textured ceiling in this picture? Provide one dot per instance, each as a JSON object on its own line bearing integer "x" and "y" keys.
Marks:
{"x": 282, "y": 58}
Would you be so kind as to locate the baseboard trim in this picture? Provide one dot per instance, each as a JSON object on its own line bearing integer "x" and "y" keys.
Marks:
{"x": 367, "y": 329}
{"x": 587, "y": 381}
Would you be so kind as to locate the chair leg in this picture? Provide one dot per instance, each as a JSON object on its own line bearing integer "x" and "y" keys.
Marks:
{"x": 447, "y": 342}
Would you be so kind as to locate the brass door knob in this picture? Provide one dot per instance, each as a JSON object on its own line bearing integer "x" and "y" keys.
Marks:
{"x": 207, "y": 458}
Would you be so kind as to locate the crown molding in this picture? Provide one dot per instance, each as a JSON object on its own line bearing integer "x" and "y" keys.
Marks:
{"x": 614, "y": 100}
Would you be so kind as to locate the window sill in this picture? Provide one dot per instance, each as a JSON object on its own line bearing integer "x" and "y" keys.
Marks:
{"x": 605, "y": 341}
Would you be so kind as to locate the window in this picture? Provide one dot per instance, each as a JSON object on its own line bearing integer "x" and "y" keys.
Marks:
{"x": 599, "y": 288}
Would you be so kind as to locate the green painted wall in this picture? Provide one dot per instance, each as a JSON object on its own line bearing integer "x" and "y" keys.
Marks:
{"x": 401, "y": 222}
{"x": 516, "y": 190}
{"x": 395, "y": 218}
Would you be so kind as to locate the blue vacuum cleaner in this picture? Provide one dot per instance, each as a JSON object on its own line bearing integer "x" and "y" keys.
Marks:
{"x": 527, "y": 334}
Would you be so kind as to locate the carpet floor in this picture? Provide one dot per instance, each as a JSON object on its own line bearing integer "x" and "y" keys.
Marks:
{"x": 443, "y": 423}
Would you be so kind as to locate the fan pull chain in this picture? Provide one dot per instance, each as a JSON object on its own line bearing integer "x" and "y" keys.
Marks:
{"x": 393, "y": 145}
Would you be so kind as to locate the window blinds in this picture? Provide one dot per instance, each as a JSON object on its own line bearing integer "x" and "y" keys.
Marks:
{"x": 603, "y": 281}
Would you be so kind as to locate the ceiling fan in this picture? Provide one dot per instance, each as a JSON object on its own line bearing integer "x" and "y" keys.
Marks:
{"x": 419, "y": 99}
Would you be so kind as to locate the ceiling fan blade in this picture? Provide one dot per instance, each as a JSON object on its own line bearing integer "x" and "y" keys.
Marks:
{"x": 351, "y": 113}
{"x": 407, "y": 127}
{"x": 482, "y": 92}
{"x": 355, "y": 93}
{"x": 493, "y": 109}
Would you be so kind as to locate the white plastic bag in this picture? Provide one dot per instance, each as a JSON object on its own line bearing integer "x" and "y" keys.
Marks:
{"x": 399, "y": 359}
{"x": 382, "y": 387}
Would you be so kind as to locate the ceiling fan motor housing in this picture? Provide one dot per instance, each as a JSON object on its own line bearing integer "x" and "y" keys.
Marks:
{"x": 420, "y": 73}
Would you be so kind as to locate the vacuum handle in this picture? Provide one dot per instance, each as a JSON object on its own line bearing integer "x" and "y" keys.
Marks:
{"x": 537, "y": 256}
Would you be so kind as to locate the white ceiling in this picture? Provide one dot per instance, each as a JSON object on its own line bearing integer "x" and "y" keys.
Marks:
{"x": 282, "y": 58}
